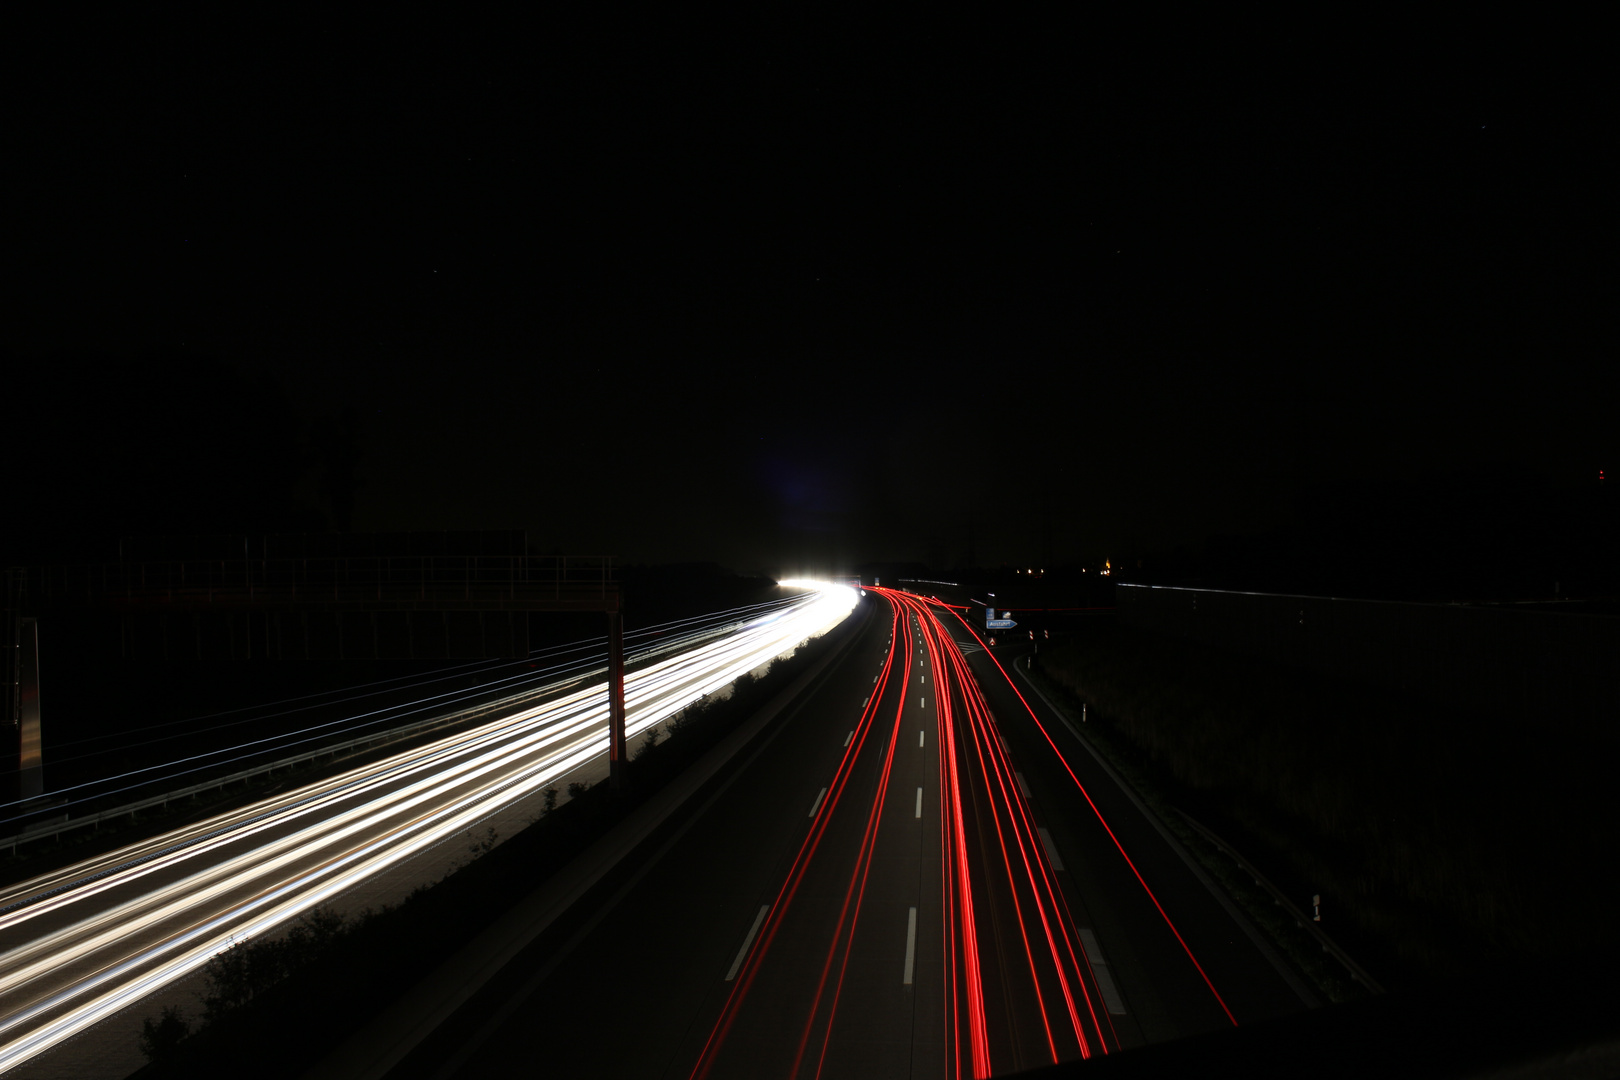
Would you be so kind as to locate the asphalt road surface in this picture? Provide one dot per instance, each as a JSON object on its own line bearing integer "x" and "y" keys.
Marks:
{"x": 917, "y": 870}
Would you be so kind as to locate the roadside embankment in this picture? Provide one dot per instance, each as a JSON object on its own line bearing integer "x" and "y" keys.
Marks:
{"x": 374, "y": 958}
{"x": 1438, "y": 836}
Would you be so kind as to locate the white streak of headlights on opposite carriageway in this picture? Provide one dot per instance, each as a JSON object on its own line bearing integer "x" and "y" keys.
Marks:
{"x": 571, "y": 716}
{"x": 491, "y": 767}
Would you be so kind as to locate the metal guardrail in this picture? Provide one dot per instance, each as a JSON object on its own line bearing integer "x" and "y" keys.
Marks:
{"x": 1329, "y": 946}
{"x": 55, "y": 827}
{"x": 1357, "y": 972}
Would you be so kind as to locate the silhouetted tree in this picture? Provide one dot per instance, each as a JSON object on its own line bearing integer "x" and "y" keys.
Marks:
{"x": 159, "y": 1037}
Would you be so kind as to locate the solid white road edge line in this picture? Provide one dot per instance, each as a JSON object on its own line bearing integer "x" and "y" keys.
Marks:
{"x": 1099, "y": 968}
{"x": 1051, "y": 852}
{"x": 742, "y": 953}
{"x": 911, "y": 945}
{"x": 1305, "y": 993}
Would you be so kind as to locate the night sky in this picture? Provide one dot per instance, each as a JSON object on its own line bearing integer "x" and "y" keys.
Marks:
{"x": 801, "y": 293}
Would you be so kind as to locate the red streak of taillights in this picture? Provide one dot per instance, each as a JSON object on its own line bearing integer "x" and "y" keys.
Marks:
{"x": 964, "y": 985}
{"x": 962, "y": 944}
{"x": 976, "y": 727}
{"x": 1101, "y": 820}
{"x": 972, "y": 981}
{"x": 977, "y": 743}
{"x": 857, "y": 892}
{"x": 801, "y": 863}
{"x": 1039, "y": 877}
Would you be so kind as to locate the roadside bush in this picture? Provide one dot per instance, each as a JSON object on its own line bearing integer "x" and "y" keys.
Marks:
{"x": 485, "y": 845}
{"x": 248, "y": 968}
{"x": 688, "y": 718}
{"x": 159, "y": 1037}
{"x": 649, "y": 742}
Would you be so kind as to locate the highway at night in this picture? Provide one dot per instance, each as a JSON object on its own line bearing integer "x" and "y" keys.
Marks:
{"x": 705, "y": 548}
{"x": 916, "y": 870}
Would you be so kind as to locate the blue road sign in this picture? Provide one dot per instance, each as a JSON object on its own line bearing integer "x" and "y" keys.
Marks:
{"x": 999, "y": 624}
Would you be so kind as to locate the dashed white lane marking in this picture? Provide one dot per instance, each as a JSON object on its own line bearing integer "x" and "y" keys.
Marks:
{"x": 848, "y": 737}
{"x": 1051, "y": 852}
{"x": 867, "y": 702}
{"x": 1021, "y": 785}
{"x": 817, "y": 806}
{"x": 921, "y": 735}
{"x": 1099, "y": 968}
{"x": 919, "y": 802}
{"x": 922, "y": 703}
{"x": 742, "y": 953}
{"x": 874, "y": 679}
{"x": 911, "y": 945}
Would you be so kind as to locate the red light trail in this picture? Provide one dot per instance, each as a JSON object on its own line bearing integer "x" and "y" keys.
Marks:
{"x": 801, "y": 864}
{"x": 975, "y": 763}
{"x": 1018, "y": 989}
{"x": 1102, "y": 821}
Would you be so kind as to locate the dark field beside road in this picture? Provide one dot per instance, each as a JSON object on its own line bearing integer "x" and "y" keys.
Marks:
{"x": 1438, "y": 836}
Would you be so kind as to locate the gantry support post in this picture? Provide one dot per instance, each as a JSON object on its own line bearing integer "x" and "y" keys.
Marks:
{"x": 25, "y": 712}
{"x": 616, "y": 699}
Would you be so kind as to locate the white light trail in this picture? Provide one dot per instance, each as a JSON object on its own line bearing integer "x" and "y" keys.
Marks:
{"x": 89, "y": 939}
